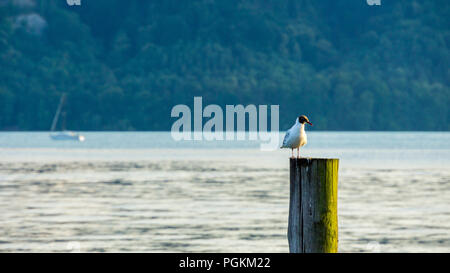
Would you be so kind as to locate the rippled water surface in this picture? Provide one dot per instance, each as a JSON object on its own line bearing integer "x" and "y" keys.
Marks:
{"x": 133, "y": 192}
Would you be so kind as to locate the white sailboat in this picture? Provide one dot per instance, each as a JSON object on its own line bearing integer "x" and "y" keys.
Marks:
{"x": 63, "y": 134}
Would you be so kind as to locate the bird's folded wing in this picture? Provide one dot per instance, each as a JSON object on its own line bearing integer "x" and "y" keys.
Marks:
{"x": 286, "y": 139}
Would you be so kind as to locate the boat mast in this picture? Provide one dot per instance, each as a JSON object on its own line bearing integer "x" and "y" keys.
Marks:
{"x": 58, "y": 111}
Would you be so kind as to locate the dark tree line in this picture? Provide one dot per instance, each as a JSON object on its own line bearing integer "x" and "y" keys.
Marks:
{"x": 124, "y": 64}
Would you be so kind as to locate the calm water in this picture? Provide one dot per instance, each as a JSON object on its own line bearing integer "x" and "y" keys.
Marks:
{"x": 130, "y": 192}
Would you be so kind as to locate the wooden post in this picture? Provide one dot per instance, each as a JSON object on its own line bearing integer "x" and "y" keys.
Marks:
{"x": 313, "y": 220}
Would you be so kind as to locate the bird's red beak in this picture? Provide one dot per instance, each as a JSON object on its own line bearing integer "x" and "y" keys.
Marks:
{"x": 309, "y": 123}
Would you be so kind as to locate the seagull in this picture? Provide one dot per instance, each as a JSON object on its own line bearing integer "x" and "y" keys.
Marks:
{"x": 296, "y": 136}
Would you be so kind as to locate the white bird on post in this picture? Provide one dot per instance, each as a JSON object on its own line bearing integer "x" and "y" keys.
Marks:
{"x": 296, "y": 136}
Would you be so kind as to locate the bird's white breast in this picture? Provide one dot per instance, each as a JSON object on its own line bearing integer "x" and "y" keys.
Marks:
{"x": 303, "y": 138}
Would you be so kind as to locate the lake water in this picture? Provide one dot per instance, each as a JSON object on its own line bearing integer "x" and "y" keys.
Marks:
{"x": 144, "y": 192}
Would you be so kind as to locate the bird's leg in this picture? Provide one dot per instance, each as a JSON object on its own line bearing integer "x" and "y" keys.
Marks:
{"x": 292, "y": 153}
{"x": 298, "y": 152}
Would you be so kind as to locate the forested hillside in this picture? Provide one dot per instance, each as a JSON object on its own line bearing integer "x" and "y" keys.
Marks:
{"x": 125, "y": 64}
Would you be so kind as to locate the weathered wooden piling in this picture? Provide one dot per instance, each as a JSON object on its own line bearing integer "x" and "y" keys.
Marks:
{"x": 313, "y": 219}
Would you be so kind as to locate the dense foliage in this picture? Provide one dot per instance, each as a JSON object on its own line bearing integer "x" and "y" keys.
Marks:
{"x": 125, "y": 64}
